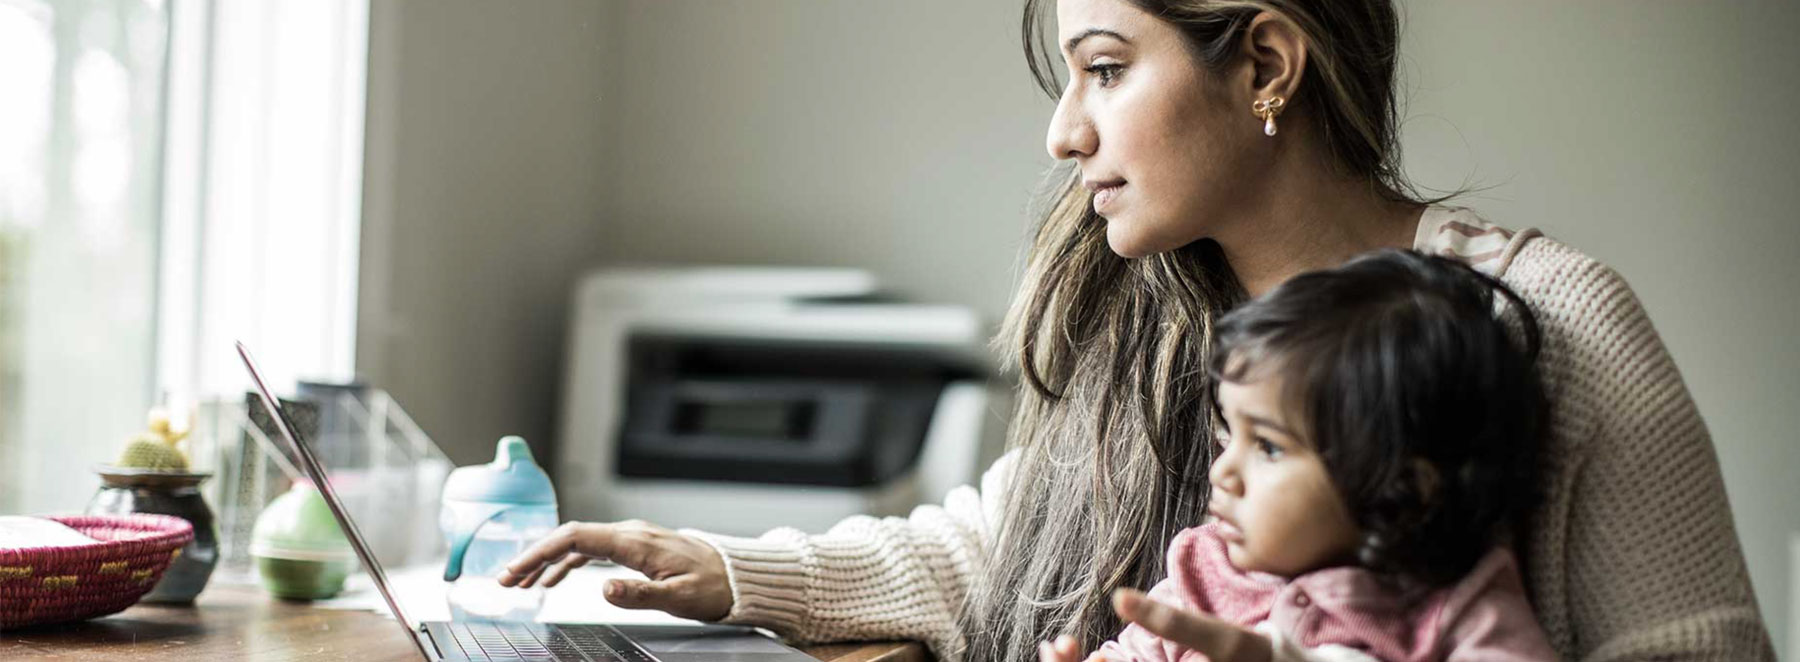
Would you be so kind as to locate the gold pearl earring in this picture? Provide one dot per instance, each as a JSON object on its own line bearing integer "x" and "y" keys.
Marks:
{"x": 1267, "y": 109}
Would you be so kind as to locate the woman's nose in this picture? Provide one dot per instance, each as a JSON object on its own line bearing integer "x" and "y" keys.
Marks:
{"x": 1071, "y": 134}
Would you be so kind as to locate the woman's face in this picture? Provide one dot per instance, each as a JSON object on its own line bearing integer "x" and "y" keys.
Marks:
{"x": 1277, "y": 508}
{"x": 1158, "y": 140}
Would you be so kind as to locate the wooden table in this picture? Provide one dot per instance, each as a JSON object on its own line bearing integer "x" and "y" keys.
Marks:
{"x": 241, "y": 623}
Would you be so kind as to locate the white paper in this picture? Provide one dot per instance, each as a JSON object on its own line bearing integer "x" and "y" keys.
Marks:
{"x": 21, "y": 532}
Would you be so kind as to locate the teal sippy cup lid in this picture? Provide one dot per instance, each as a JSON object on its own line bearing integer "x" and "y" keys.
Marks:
{"x": 514, "y": 477}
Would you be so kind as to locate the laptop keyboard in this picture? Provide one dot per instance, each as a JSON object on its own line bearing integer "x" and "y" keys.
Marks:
{"x": 501, "y": 642}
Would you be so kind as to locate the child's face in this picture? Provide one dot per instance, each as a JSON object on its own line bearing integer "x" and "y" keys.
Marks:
{"x": 1270, "y": 491}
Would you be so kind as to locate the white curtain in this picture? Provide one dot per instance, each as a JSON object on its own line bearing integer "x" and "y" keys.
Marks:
{"x": 80, "y": 138}
{"x": 260, "y": 238}
{"x": 173, "y": 176}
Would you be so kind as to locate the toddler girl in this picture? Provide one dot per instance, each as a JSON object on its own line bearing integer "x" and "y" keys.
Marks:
{"x": 1383, "y": 426}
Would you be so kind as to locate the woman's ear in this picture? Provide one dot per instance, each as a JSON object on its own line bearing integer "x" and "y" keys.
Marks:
{"x": 1275, "y": 50}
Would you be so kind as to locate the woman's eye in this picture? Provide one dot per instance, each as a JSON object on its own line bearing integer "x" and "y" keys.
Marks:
{"x": 1107, "y": 73}
{"x": 1268, "y": 448}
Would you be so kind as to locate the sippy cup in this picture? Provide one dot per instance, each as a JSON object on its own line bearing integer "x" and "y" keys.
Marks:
{"x": 492, "y": 513}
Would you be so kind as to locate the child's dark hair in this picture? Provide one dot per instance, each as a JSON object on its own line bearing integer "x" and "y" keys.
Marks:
{"x": 1427, "y": 412}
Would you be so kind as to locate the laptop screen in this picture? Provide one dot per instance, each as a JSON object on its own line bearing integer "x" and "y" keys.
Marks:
{"x": 316, "y": 473}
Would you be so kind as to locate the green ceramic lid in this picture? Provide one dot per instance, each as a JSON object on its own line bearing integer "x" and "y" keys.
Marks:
{"x": 298, "y": 525}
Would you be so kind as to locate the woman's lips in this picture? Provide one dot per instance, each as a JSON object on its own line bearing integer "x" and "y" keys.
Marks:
{"x": 1104, "y": 195}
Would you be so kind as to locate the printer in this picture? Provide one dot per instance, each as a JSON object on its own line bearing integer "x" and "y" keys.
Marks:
{"x": 737, "y": 400}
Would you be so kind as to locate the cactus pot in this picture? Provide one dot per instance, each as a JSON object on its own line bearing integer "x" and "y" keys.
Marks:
{"x": 126, "y": 490}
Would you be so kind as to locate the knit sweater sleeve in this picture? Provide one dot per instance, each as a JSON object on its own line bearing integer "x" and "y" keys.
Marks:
{"x": 1635, "y": 556}
{"x": 867, "y": 578}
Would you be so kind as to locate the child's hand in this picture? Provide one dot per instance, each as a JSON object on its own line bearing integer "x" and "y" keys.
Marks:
{"x": 1064, "y": 650}
{"x": 1218, "y": 640}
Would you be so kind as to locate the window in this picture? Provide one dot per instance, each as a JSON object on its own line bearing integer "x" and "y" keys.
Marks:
{"x": 173, "y": 176}
{"x": 80, "y": 141}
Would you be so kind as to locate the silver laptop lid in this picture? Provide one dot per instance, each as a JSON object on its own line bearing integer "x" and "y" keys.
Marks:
{"x": 316, "y": 472}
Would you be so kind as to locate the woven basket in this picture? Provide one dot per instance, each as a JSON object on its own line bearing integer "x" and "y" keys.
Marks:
{"x": 45, "y": 585}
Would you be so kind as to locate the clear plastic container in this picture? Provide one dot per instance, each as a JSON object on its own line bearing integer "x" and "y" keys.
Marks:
{"x": 387, "y": 473}
{"x": 492, "y": 513}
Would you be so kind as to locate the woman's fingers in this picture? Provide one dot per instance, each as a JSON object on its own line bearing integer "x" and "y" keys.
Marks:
{"x": 637, "y": 594}
{"x": 681, "y": 596}
{"x": 561, "y": 569}
{"x": 532, "y": 578}
{"x": 570, "y": 537}
{"x": 603, "y": 541}
{"x": 687, "y": 577}
{"x": 528, "y": 581}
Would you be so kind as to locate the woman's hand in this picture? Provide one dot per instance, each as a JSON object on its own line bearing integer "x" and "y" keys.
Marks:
{"x": 1218, "y": 640}
{"x": 686, "y": 575}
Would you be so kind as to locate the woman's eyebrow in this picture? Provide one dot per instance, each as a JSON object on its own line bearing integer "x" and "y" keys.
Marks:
{"x": 1069, "y": 46}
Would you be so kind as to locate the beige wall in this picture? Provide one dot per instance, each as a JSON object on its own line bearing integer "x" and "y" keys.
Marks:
{"x": 896, "y": 136}
{"x": 484, "y": 197}
{"x": 521, "y": 144}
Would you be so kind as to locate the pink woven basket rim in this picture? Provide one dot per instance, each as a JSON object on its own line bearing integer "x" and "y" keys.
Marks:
{"x": 123, "y": 539}
{"x": 154, "y": 531}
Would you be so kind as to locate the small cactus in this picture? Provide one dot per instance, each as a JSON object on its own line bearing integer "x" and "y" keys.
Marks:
{"x": 156, "y": 449}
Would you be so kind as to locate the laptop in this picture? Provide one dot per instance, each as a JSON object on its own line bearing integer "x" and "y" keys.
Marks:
{"x": 460, "y": 641}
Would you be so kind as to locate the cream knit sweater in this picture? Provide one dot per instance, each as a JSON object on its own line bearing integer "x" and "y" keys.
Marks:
{"x": 1634, "y": 555}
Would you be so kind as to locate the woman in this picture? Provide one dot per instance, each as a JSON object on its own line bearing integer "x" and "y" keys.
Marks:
{"x": 1221, "y": 147}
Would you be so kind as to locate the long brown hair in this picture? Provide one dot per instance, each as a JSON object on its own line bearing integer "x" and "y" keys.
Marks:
{"x": 1113, "y": 412}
